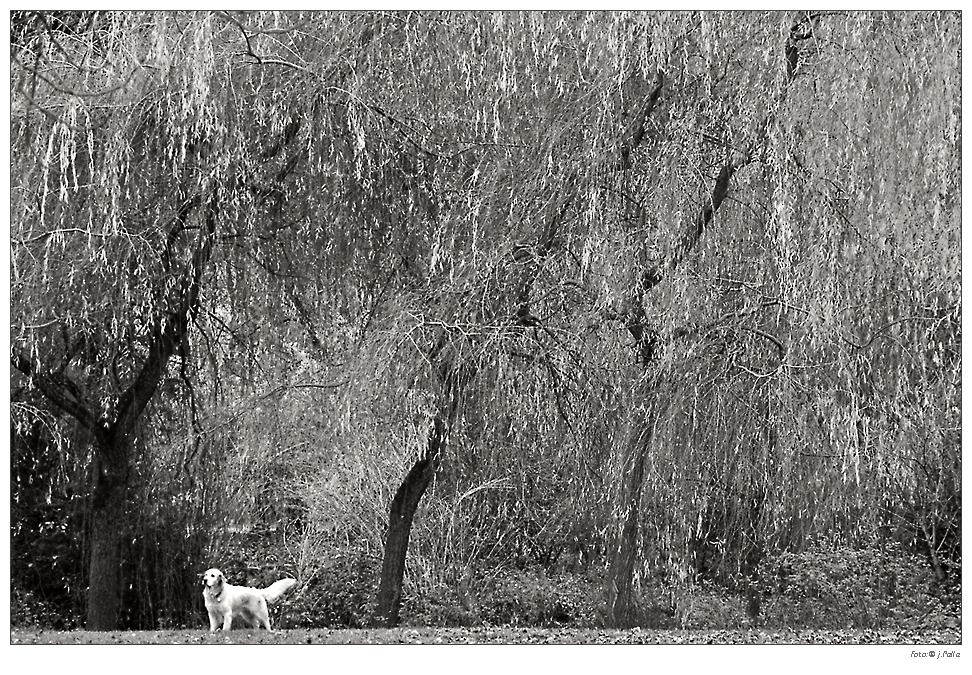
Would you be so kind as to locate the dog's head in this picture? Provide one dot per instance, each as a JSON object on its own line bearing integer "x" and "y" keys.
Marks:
{"x": 213, "y": 580}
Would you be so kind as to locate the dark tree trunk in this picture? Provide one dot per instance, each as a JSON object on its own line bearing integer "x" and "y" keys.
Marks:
{"x": 105, "y": 582}
{"x": 400, "y": 517}
{"x": 108, "y": 527}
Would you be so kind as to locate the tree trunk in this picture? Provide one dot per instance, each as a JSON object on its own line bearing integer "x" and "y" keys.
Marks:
{"x": 108, "y": 527}
{"x": 622, "y": 604}
{"x": 105, "y": 583}
{"x": 754, "y": 552}
{"x": 402, "y": 512}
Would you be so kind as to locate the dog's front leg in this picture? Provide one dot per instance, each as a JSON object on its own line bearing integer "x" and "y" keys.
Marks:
{"x": 227, "y": 621}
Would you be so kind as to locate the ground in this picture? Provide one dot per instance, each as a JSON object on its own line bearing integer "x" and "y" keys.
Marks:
{"x": 493, "y": 635}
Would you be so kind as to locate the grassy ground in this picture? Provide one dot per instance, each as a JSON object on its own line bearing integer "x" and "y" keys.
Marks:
{"x": 499, "y": 635}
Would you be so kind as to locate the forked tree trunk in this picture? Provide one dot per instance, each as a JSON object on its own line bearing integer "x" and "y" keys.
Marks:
{"x": 400, "y": 518}
{"x": 622, "y": 604}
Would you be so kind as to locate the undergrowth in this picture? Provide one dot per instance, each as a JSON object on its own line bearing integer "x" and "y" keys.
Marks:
{"x": 823, "y": 588}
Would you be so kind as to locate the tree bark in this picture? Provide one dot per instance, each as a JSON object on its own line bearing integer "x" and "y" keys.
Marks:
{"x": 400, "y": 518}
{"x": 108, "y": 529}
{"x": 622, "y": 606}
{"x": 106, "y": 540}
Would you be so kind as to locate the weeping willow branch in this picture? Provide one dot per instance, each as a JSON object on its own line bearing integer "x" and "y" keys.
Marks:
{"x": 59, "y": 389}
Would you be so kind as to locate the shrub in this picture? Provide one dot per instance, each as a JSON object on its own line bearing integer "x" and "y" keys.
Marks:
{"x": 29, "y": 611}
{"x": 840, "y": 587}
{"x": 340, "y": 593}
{"x": 708, "y": 606}
{"x": 504, "y": 597}
{"x": 532, "y": 597}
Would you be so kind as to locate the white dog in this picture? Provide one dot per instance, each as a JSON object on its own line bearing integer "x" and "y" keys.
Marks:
{"x": 226, "y": 602}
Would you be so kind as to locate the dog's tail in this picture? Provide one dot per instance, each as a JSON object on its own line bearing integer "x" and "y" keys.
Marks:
{"x": 277, "y": 589}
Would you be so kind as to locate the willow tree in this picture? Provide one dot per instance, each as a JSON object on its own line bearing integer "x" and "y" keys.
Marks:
{"x": 147, "y": 163}
{"x": 769, "y": 267}
{"x": 112, "y": 237}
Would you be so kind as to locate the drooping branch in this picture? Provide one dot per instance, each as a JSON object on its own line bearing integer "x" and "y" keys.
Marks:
{"x": 172, "y": 329}
{"x": 60, "y": 390}
{"x": 693, "y": 230}
{"x": 530, "y": 256}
